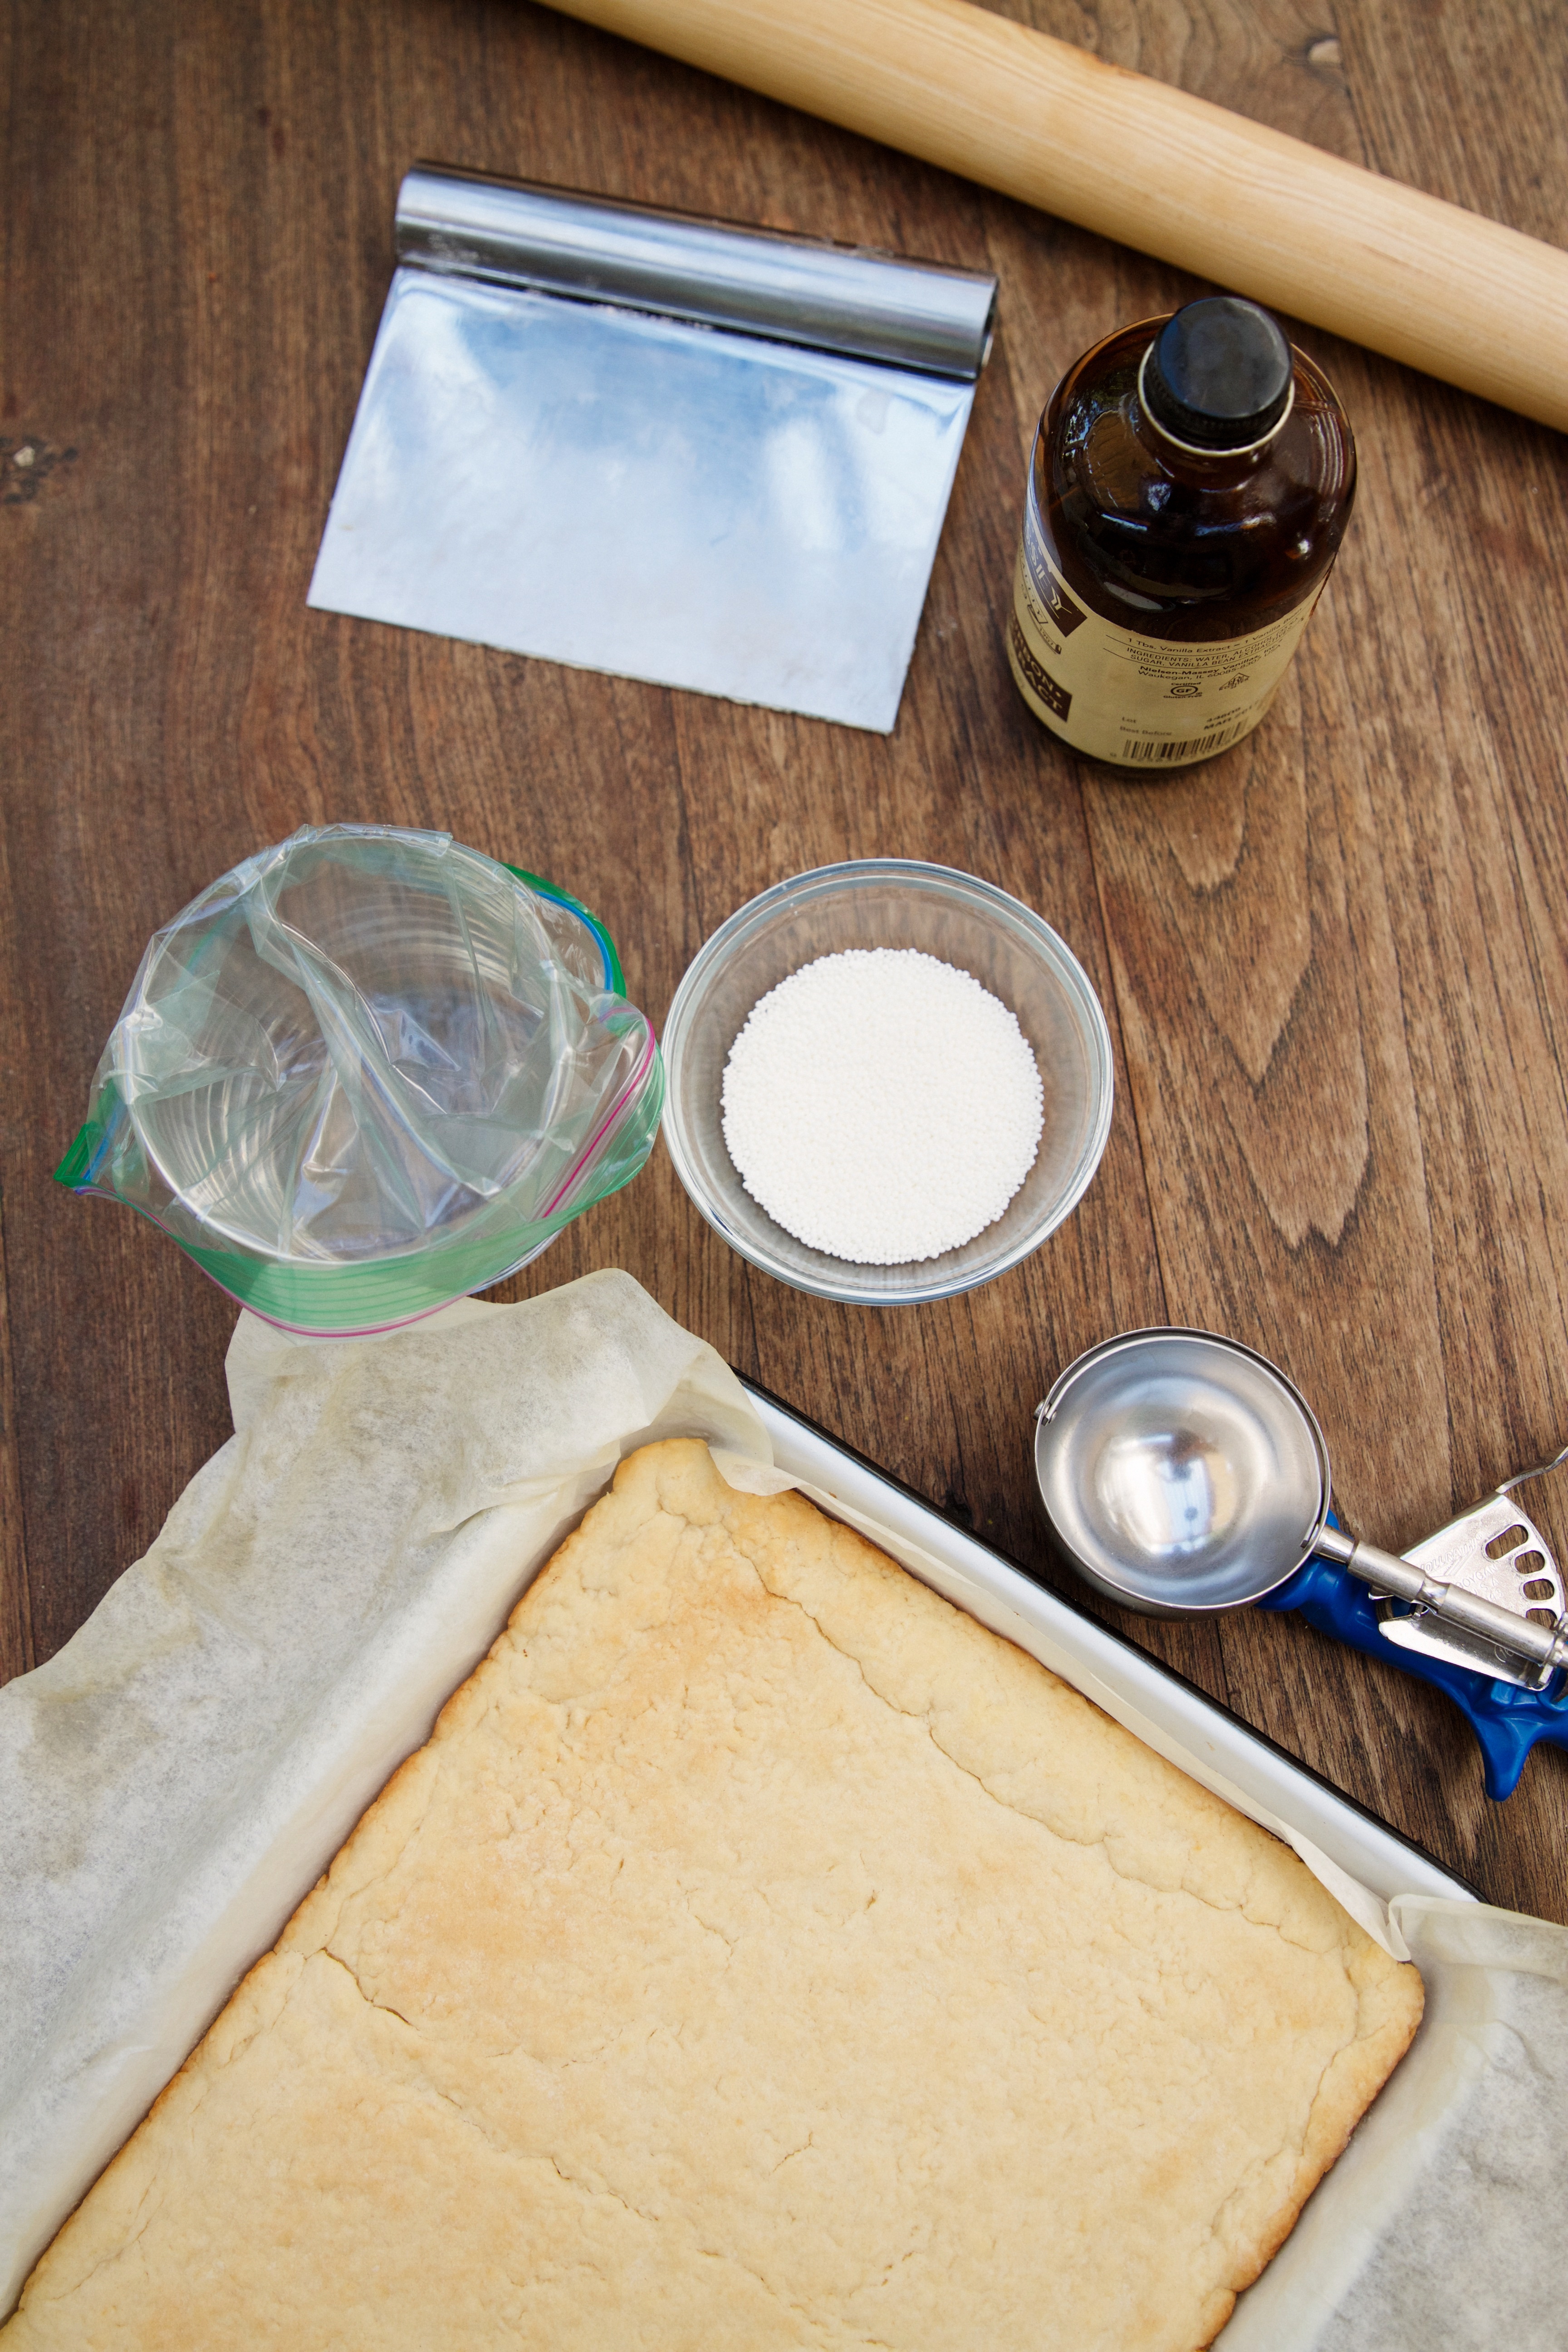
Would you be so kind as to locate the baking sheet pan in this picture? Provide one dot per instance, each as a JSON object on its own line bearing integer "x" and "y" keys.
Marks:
{"x": 486, "y": 1420}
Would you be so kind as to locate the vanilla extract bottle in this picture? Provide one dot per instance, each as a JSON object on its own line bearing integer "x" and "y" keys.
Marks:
{"x": 1191, "y": 482}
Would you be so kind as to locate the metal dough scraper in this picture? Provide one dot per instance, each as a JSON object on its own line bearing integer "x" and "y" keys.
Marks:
{"x": 708, "y": 456}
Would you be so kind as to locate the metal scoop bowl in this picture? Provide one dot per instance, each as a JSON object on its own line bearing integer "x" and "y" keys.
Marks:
{"x": 1183, "y": 1475}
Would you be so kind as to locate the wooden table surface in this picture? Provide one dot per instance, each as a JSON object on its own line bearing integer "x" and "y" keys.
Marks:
{"x": 1334, "y": 960}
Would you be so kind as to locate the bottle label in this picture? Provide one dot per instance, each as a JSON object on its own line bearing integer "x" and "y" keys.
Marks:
{"x": 1136, "y": 702}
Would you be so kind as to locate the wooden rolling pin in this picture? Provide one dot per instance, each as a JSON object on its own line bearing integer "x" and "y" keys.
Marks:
{"x": 1443, "y": 289}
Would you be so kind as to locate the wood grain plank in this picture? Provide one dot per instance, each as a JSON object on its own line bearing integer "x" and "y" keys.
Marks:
{"x": 1467, "y": 103}
{"x": 1266, "y": 931}
{"x": 1335, "y": 965}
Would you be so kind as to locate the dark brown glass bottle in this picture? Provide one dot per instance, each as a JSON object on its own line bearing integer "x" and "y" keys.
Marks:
{"x": 1191, "y": 482}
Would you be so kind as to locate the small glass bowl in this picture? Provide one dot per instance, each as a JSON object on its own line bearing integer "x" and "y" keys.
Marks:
{"x": 890, "y": 902}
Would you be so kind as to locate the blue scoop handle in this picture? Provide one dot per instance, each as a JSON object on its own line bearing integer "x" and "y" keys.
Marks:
{"x": 1506, "y": 1720}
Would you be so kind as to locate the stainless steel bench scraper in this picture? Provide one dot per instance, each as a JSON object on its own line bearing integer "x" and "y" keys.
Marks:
{"x": 707, "y": 456}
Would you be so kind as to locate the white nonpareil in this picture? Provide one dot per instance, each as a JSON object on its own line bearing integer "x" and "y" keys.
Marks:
{"x": 881, "y": 1106}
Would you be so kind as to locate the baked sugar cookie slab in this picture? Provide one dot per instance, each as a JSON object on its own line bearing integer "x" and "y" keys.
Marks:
{"x": 761, "y": 1953}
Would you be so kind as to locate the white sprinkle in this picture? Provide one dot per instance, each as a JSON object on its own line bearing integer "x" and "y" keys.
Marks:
{"x": 881, "y": 1106}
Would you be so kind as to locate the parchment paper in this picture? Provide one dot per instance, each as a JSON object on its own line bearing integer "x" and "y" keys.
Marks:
{"x": 177, "y": 1777}
{"x": 1440, "y": 2229}
{"x": 174, "y": 1781}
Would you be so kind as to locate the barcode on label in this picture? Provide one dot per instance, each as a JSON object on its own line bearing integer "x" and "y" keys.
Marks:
{"x": 1196, "y": 747}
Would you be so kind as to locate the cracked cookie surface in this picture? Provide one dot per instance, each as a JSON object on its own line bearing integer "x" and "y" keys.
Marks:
{"x": 760, "y": 1953}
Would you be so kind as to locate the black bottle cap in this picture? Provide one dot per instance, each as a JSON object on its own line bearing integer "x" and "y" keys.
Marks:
{"x": 1218, "y": 373}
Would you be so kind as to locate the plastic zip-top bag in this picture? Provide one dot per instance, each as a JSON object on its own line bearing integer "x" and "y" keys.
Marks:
{"x": 367, "y": 1071}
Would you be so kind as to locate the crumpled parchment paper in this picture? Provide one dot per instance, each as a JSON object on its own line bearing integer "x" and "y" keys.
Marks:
{"x": 174, "y": 1780}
